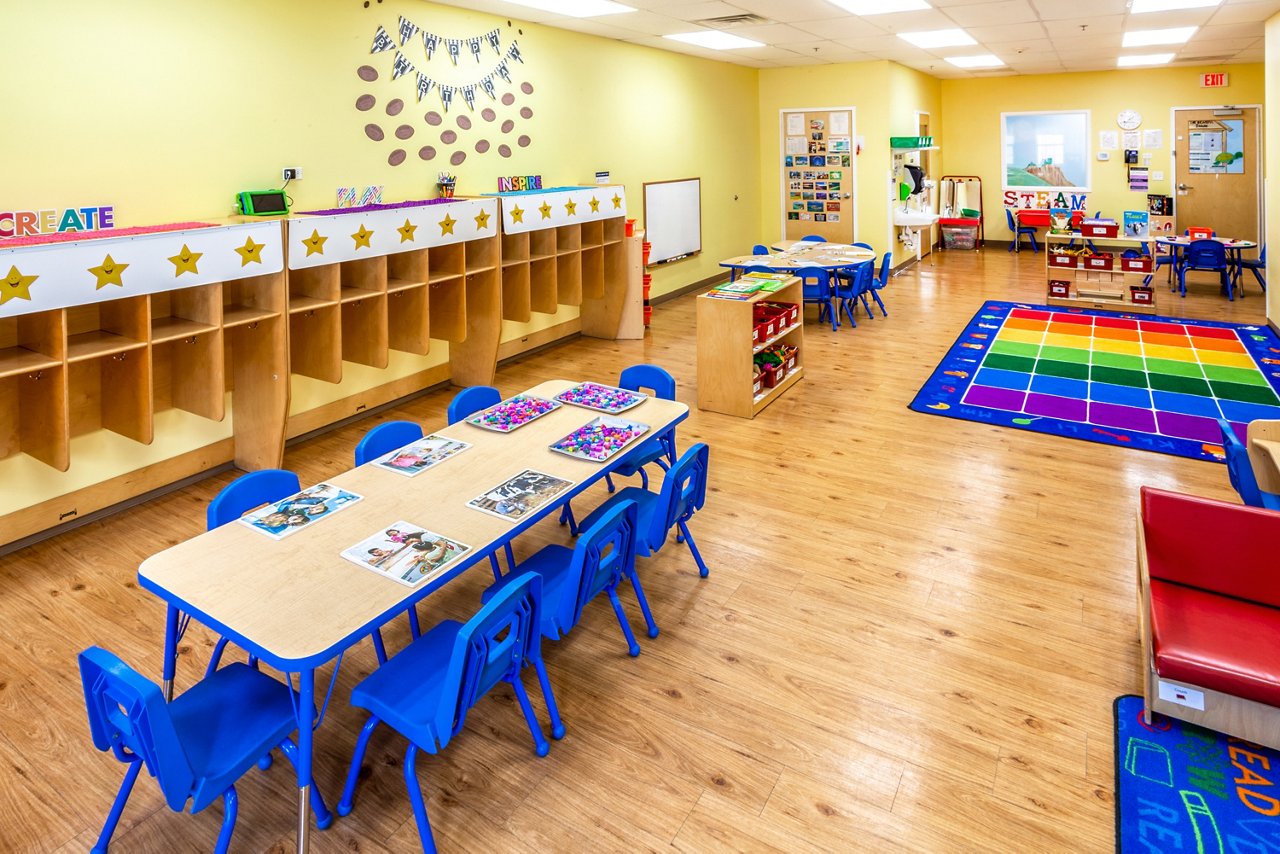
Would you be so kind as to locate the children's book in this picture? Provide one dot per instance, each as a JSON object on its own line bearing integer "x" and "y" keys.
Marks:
{"x": 1137, "y": 224}
{"x": 281, "y": 518}
{"x": 418, "y": 456}
{"x": 517, "y": 497}
{"x": 1059, "y": 221}
{"x": 406, "y": 553}
{"x": 745, "y": 285}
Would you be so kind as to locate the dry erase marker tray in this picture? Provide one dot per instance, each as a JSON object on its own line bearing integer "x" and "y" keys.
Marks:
{"x": 601, "y": 398}
{"x": 600, "y": 438}
{"x": 512, "y": 413}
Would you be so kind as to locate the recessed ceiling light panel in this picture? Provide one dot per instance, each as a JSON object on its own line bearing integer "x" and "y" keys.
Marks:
{"x": 1144, "y": 59}
{"x": 714, "y": 40}
{"x": 1141, "y": 6}
{"x": 1146, "y": 38}
{"x": 982, "y": 60}
{"x": 938, "y": 38}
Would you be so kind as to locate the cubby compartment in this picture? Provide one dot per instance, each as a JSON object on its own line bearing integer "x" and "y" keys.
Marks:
{"x": 448, "y": 300}
{"x": 111, "y": 391}
{"x": 107, "y": 328}
{"x": 516, "y": 303}
{"x": 614, "y": 229}
{"x": 253, "y": 299}
{"x": 569, "y": 279}
{"x": 187, "y": 373}
{"x": 408, "y": 328}
{"x": 33, "y": 416}
{"x": 446, "y": 262}
{"x": 186, "y": 313}
{"x": 593, "y": 272}
{"x": 568, "y": 239}
{"x": 315, "y": 348}
{"x": 406, "y": 270}
{"x": 592, "y": 233}
{"x": 313, "y": 287}
{"x": 542, "y": 244}
{"x": 362, "y": 278}
{"x": 481, "y": 255}
{"x": 544, "y": 297}
{"x": 515, "y": 248}
{"x": 31, "y": 342}
{"x": 364, "y": 330}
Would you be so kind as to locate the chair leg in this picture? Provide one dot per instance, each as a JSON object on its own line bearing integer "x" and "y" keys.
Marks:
{"x": 216, "y": 658}
{"x": 1262, "y": 283}
{"x": 265, "y": 762}
{"x": 573, "y": 523}
{"x": 414, "y": 629}
{"x": 693, "y": 547}
{"x": 875, "y": 295}
{"x": 324, "y": 818}
{"x": 540, "y": 745}
{"x": 415, "y": 797}
{"x": 633, "y": 648}
{"x": 644, "y": 478}
{"x": 848, "y": 310}
{"x": 553, "y": 709}
{"x": 357, "y": 758}
{"x": 867, "y": 306}
{"x": 608, "y": 481}
{"x": 497, "y": 567}
{"x": 634, "y": 578}
{"x": 379, "y": 647}
{"x": 511, "y": 556}
{"x": 117, "y": 806}
{"x": 229, "y": 808}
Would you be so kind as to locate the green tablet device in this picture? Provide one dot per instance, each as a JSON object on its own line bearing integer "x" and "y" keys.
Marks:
{"x": 262, "y": 202}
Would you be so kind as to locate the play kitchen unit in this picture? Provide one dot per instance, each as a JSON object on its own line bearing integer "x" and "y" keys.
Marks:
{"x": 911, "y": 194}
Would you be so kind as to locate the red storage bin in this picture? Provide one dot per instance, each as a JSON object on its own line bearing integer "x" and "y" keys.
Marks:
{"x": 1196, "y": 233}
{"x": 1108, "y": 229}
{"x": 1140, "y": 264}
{"x": 771, "y": 375}
{"x": 1061, "y": 259}
{"x": 1059, "y": 288}
{"x": 1140, "y": 295}
{"x": 1103, "y": 261}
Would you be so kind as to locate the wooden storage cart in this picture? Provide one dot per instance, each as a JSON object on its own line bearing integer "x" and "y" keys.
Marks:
{"x": 1107, "y": 289}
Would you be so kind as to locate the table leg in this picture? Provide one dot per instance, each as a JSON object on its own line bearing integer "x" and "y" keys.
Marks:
{"x": 170, "y": 650}
{"x": 306, "y": 705}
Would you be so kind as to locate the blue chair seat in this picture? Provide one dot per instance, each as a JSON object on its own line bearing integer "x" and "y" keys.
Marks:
{"x": 648, "y": 451}
{"x": 405, "y": 692}
{"x": 646, "y": 505}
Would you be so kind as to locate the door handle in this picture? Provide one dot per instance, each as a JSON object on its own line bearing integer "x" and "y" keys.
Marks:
{"x": 1183, "y": 187}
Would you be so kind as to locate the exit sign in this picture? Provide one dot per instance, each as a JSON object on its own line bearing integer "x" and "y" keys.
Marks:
{"x": 1214, "y": 80}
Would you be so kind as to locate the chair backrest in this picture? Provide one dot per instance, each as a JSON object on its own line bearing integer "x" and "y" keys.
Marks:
{"x": 128, "y": 716}
{"x": 684, "y": 491}
{"x": 1205, "y": 254}
{"x": 249, "y": 491}
{"x": 1262, "y": 256}
{"x": 758, "y": 268}
{"x": 651, "y": 378}
{"x": 885, "y": 263}
{"x": 471, "y": 400}
{"x": 386, "y": 437}
{"x": 759, "y": 249}
{"x": 490, "y": 648}
{"x": 1213, "y": 545}
{"x": 1008, "y": 215}
{"x": 814, "y": 238}
{"x": 867, "y": 246}
{"x": 1239, "y": 469}
{"x": 603, "y": 553}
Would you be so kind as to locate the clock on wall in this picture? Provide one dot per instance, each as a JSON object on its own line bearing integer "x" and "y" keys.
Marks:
{"x": 1129, "y": 119}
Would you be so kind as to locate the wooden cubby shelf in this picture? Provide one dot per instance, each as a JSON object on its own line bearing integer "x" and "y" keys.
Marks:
{"x": 1092, "y": 288}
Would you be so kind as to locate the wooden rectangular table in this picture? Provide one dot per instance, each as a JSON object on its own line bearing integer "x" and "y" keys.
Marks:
{"x": 297, "y": 604}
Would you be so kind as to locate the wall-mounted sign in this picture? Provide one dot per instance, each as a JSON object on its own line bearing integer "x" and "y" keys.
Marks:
{"x": 1214, "y": 80}
{"x": 28, "y": 223}
{"x": 516, "y": 183}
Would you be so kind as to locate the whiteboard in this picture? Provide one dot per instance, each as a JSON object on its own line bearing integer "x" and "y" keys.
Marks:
{"x": 673, "y": 218}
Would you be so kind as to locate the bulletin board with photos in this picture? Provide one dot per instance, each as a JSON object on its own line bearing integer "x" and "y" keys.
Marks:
{"x": 818, "y": 151}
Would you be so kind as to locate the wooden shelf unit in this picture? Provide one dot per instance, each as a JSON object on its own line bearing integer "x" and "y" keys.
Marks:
{"x": 1113, "y": 281}
{"x": 725, "y": 348}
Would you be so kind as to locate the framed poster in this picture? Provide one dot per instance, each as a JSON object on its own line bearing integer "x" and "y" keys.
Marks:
{"x": 1048, "y": 150}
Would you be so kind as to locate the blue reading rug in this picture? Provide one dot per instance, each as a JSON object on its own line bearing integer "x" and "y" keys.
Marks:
{"x": 1183, "y": 788}
{"x": 1136, "y": 381}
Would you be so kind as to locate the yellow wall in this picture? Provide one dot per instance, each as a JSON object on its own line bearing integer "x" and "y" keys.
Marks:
{"x": 1271, "y": 120}
{"x": 972, "y": 109}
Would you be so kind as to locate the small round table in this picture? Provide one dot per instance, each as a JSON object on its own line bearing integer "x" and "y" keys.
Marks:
{"x": 1232, "y": 245}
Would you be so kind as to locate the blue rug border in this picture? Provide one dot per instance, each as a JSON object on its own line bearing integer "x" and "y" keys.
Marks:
{"x": 1115, "y": 760}
{"x": 1186, "y": 448}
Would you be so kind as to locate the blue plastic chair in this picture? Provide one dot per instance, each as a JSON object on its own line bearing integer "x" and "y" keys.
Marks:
{"x": 878, "y": 283}
{"x": 852, "y": 284}
{"x": 661, "y": 449}
{"x": 1019, "y": 231}
{"x": 385, "y": 438}
{"x": 759, "y": 249}
{"x": 425, "y": 692}
{"x": 1257, "y": 266}
{"x": 866, "y": 246}
{"x": 1087, "y": 242}
{"x": 816, "y": 286}
{"x": 1240, "y": 470}
{"x": 196, "y": 747}
{"x": 471, "y": 400}
{"x": 684, "y": 491}
{"x": 603, "y": 556}
{"x": 1208, "y": 256}
{"x": 814, "y": 238}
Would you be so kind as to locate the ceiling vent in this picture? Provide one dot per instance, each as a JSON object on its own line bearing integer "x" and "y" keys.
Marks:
{"x": 727, "y": 22}
{"x": 1206, "y": 60}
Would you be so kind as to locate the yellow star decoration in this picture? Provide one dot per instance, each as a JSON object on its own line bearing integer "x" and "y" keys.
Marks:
{"x": 406, "y": 232}
{"x": 362, "y": 236}
{"x": 446, "y": 225}
{"x": 314, "y": 243}
{"x": 546, "y": 210}
{"x": 517, "y": 215}
{"x": 108, "y": 273}
{"x": 185, "y": 261}
{"x": 250, "y": 253}
{"x": 16, "y": 286}
{"x": 571, "y": 206}
{"x": 595, "y": 204}
{"x": 617, "y": 201}
{"x": 482, "y": 219}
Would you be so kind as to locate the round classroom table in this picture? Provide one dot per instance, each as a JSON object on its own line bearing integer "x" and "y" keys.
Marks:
{"x": 1233, "y": 247}
{"x": 798, "y": 253}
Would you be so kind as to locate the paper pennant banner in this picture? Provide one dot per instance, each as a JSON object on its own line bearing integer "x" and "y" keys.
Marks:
{"x": 446, "y": 96}
{"x": 402, "y": 66}
{"x": 424, "y": 85}
{"x": 514, "y": 53}
{"x": 502, "y": 71}
{"x": 469, "y": 95}
{"x": 474, "y": 44}
{"x": 453, "y": 46}
{"x": 430, "y": 41}
{"x": 407, "y": 30}
{"x": 495, "y": 39}
{"x": 487, "y": 85}
{"x": 381, "y": 41}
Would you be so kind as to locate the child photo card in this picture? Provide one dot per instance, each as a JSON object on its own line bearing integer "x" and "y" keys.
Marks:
{"x": 418, "y": 456}
{"x": 517, "y": 497}
{"x": 406, "y": 553}
{"x": 281, "y": 518}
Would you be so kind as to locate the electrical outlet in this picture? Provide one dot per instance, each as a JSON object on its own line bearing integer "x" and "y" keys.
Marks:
{"x": 291, "y": 173}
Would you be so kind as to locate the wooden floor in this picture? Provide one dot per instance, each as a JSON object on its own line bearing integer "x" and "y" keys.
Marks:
{"x": 911, "y": 636}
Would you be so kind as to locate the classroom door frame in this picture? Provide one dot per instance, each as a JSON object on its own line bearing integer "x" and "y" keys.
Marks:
{"x": 783, "y": 195}
{"x": 1259, "y": 176}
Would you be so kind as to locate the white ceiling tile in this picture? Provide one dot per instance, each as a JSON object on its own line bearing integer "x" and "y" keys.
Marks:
{"x": 1008, "y": 32}
{"x": 843, "y": 28}
{"x": 791, "y": 11}
{"x": 1051, "y": 10}
{"x": 910, "y": 22}
{"x": 1229, "y": 31}
{"x": 697, "y": 11}
{"x": 1241, "y": 13}
{"x": 1083, "y": 27}
{"x": 993, "y": 14}
{"x": 772, "y": 34}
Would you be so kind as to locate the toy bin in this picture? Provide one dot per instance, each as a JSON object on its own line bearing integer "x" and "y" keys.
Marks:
{"x": 771, "y": 374}
{"x": 1102, "y": 261}
{"x": 1099, "y": 229}
{"x": 959, "y": 237}
{"x": 757, "y": 381}
{"x": 1059, "y": 288}
{"x": 1139, "y": 295}
{"x": 1138, "y": 264}
{"x": 1062, "y": 259}
{"x": 789, "y": 358}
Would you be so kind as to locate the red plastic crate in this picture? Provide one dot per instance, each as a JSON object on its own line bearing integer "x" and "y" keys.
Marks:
{"x": 1140, "y": 295}
{"x": 1099, "y": 230}
{"x": 1059, "y": 288}
{"x": 1141, "y": 264}
{"x": 1061, "y": 259}
{"x": 1104, "y": 261}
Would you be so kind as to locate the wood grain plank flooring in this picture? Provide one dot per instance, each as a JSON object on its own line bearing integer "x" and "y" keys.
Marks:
{"x": 910, "y": 640}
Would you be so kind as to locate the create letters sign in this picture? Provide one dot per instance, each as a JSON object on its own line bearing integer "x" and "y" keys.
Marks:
{"x": 1213, "y": 80}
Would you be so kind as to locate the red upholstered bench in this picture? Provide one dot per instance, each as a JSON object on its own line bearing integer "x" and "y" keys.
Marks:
{"x": 1209, "y": 584}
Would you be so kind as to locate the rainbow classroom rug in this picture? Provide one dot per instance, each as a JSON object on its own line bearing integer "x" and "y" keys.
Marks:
{"x": 1146, "y": 382}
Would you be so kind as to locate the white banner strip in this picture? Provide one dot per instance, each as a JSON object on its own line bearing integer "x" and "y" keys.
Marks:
{"x": 544, "y": 209}
{"x": 318, "y": 240}
{"x": 59, "y": 275}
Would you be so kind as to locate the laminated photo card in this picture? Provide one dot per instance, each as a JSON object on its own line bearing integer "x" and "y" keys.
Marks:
{"x": 418, "y": 456}
{"x": 517, "y": 497}
{"x": 281, "y": 518}
{"x": 406, "y": 553}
